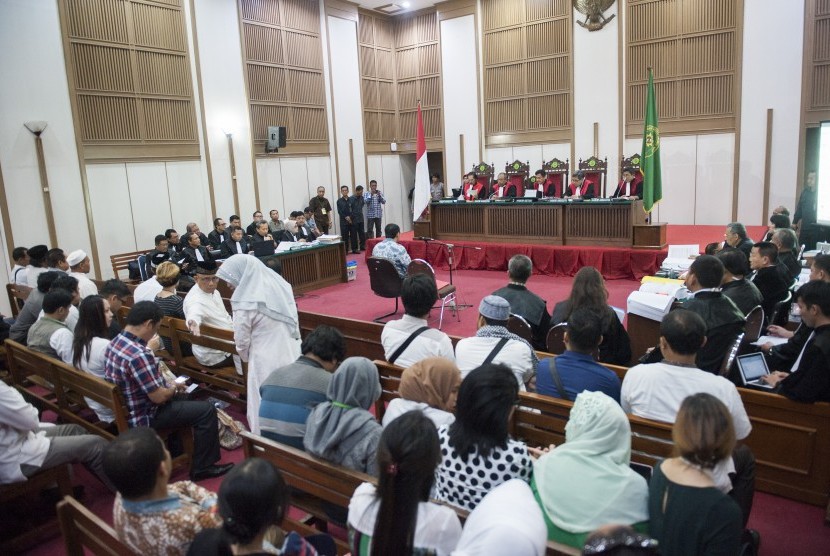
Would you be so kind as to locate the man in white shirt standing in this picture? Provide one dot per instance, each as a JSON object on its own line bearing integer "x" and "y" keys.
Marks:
{"x": 27, "y": 445}
{"x": 79, "y": 268}
{"x": 418, "y": 294}
{"x": 656, "y": 391}
{"x": 493, "y": 343}
{"x": 203, "y": 305}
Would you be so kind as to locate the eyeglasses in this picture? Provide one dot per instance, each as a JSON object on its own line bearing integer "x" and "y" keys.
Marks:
{"x": 208, "y": 278}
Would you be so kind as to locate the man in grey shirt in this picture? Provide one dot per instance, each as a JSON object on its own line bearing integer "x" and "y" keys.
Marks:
{"x": 291, "y": 392}
{"x": 31, "y": 309}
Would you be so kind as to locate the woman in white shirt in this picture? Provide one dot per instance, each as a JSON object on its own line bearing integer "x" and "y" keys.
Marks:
{"x": 430, "y": 385}
{"x": 396, "y": 517}
{"x": 90, "y": 342}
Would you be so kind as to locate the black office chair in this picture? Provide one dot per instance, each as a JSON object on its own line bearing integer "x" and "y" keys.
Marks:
{"x": 780, "y": 312}
{"x": 385, "y": 282}
{"x": 754, "y": 324}
{"x": 520, "y": 327}
{"x": 729, "y": 358}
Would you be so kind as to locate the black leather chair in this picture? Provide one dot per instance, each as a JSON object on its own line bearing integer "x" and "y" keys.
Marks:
{"x": 520, "y": 327}
{"x": 385, "y": 282}
{"x": 754, "y": 324}
{"x": 555, "y": 341}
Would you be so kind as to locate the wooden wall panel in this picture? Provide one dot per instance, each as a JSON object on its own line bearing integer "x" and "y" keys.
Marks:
{"x": 817, "y": 65}
{"x": 527, "y": 55}
{"x": 692, "y": 48}
{"x": 400, "y": 63}
{"x": 129, "y": 78}
{"x": 283, "y": 56}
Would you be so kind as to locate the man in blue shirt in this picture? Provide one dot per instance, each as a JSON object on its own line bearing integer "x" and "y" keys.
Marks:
{"x": 576, "y": 368}
{"x": 374, "y": 214}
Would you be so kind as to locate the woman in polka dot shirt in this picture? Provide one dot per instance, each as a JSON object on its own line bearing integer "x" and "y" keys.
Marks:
{"x": 477, "y": 453}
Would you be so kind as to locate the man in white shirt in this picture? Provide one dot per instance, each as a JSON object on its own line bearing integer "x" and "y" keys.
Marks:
{"x": 147, "y": 290}
{"x": 27, "y": 445}
{"x": 493, "y": 343}
{"x": 418, "y": 293}
{"x": 79, "y": 268}
{"x": 49, "y": 334}
{"x": 656, "y": 391}
{"x": 20, "y": 255}
{"x": 203, "y": 305}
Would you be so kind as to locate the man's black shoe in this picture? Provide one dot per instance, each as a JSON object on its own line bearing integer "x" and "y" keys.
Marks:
{"x": 211, "y": 472}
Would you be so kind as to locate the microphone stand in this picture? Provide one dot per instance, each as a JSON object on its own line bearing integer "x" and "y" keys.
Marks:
{"x": 450, "y": 252}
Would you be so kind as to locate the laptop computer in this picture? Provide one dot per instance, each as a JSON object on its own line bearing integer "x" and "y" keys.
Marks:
{"x": 752, "y": 367}
{"x": 263, "y": 248}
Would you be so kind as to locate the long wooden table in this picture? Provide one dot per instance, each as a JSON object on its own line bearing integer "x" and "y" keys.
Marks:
{"x": 558, "y": 222}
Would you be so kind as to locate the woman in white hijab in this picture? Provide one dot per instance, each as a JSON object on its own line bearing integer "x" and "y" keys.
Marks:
{"x": 587, "y": 481}
{"x": 265, "y": 324}
{"x": 506, "y": 521}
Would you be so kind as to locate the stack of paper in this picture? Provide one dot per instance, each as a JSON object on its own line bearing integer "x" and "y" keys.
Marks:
{"x": 680, "y": 257}
{"x": 329, "y": 238}
{"x": 774, "y": 340}
{"x": 653, "y": 306}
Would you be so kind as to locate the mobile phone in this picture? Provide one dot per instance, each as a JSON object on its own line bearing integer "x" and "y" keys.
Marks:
{"x": 181, "y": 379}
{"x": 191, "y": 388}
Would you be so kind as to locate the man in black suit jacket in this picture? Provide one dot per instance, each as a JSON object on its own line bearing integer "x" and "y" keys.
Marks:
{"x": 251, "y": 229}
{"x": 768, "y": 277}
{"x": 630, "y": 186}
{"x": 290, "y": 233}
{"x": 786, "y": 241}
{"x": 735, "y": 237}
{"x": 195, "y": 253}
{"x": 581, "y": 187}
{"x": 219, "y": 235}
{"x": 262, "y": 234}
{"x": 237, "y": 244}
{"x": 193, "y": 228}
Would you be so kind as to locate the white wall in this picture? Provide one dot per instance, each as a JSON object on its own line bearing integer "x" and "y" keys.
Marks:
{"x": 535, "y": 155}
{"x": 33, "y": 86}
{"x": 596, "y": 99}
{"x": 226, "y": 108}
{"x": 461, "y": 113}
{"x": 345, "y": 82}
{"x": 395, "y": 175}
{"x": 771, "y": 78}
{"x": 288, "y": 184}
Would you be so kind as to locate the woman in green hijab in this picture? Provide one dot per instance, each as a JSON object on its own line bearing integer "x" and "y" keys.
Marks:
{"x": 587, "y": 482}
{"x": 341, "y": 430}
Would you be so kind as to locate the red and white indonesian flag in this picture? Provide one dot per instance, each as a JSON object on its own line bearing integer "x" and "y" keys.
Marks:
{"x": 421, "y": 196}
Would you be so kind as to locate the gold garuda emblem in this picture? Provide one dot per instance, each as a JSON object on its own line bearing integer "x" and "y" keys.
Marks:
{"x": 592, "y": 10}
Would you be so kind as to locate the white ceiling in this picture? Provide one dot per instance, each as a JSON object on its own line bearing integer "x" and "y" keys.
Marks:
{"x": 398, "y": 8}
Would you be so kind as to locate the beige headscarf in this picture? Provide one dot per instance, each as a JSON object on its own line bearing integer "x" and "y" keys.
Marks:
{"x": 433, "y": 381}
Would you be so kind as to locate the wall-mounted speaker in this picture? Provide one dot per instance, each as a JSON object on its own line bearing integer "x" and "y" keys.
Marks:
{"x": 276, "y": 139}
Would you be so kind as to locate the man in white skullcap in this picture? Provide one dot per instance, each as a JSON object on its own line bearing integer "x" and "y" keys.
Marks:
{"x": 493, "y": 343}
{"x": 79, "y": 267}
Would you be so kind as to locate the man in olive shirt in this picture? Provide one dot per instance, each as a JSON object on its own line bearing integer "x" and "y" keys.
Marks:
{"x": 321, "y": 208}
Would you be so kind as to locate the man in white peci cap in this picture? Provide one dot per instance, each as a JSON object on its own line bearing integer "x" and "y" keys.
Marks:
{"x": 493, "y": 343}
{"x": 79, "y": 267}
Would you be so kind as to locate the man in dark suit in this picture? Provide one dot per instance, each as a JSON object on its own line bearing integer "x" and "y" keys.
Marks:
{"x": 524, "y": 302}
{"x": 768, "y": 278}
{"x": 195, "y": 253}
{"x": 261, "y": 234}
{"x": 786, "y": 240}
{"x": 735, "y": 237}
{"x": 219, "y": 235}
{"x": 734, "y": 285}
{"x": 804, "y": 219}
{"x": 581, "y": 187}
{"x": 630, "y": 186}
{"x": 193, "y": 228}
{"x": 290, "y": 232}
{"x": 236, "y": 245}
{"x": 348, "y": 232}
{"x": 251, "y": 229}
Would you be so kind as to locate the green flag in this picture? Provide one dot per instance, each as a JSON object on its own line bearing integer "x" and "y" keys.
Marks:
{"x": 650, "y": 164}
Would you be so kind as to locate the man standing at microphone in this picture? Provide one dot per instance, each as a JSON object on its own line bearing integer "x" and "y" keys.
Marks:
{"x": 374, "y": 213}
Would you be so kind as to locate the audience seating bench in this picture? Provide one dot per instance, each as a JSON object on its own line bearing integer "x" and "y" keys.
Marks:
{"x": 46, "y": 478}
{"x": 121, "y": 261}
{"x": 223, "y": 381}
{"x": 84, "y": 532}
{"x": 52, "y": 385}
{"x": 322, "y": 482}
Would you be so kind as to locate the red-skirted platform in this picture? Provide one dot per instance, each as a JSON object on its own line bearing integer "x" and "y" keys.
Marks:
{"x": 560, "y": 260}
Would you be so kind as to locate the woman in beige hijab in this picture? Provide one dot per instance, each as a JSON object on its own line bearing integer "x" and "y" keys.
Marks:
{"x": 430, "y": 385}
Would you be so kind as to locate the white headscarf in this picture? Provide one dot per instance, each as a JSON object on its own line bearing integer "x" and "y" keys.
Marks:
{"x": 507, "y": 521}
{"x": 587, "y": 481}
{"x": 258, "y": 288}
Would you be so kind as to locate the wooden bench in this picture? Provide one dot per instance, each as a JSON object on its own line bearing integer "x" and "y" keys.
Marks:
{"x": 17, "y": 297}
{"x": 223, "y": 382}
{"x": 324, "y": 482}
{"x": 51, "y": 384}
{"x": 84, "y": 531}
{"x": 319, "y": 481}
{"x": 121, "y": 261}
{"x": 791, "y": 444}
{"x": 41, "y": 480}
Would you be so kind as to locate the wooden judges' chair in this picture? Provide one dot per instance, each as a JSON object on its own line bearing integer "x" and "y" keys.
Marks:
{"x": 517, "y": 173}
{"x": 446, "y": 291}
{"x": 632, "y": 161}
{"x": 485, "y": 174}
{"x": 596, "y": 170}
{"x": 385, "y": 282}
{"x": 556, "y": 177}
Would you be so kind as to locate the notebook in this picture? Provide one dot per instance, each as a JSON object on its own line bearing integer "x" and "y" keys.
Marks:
{"x": 752, "y": 367}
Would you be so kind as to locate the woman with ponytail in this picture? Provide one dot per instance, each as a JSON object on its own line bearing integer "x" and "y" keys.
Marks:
{"x": 396, "y": 517}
